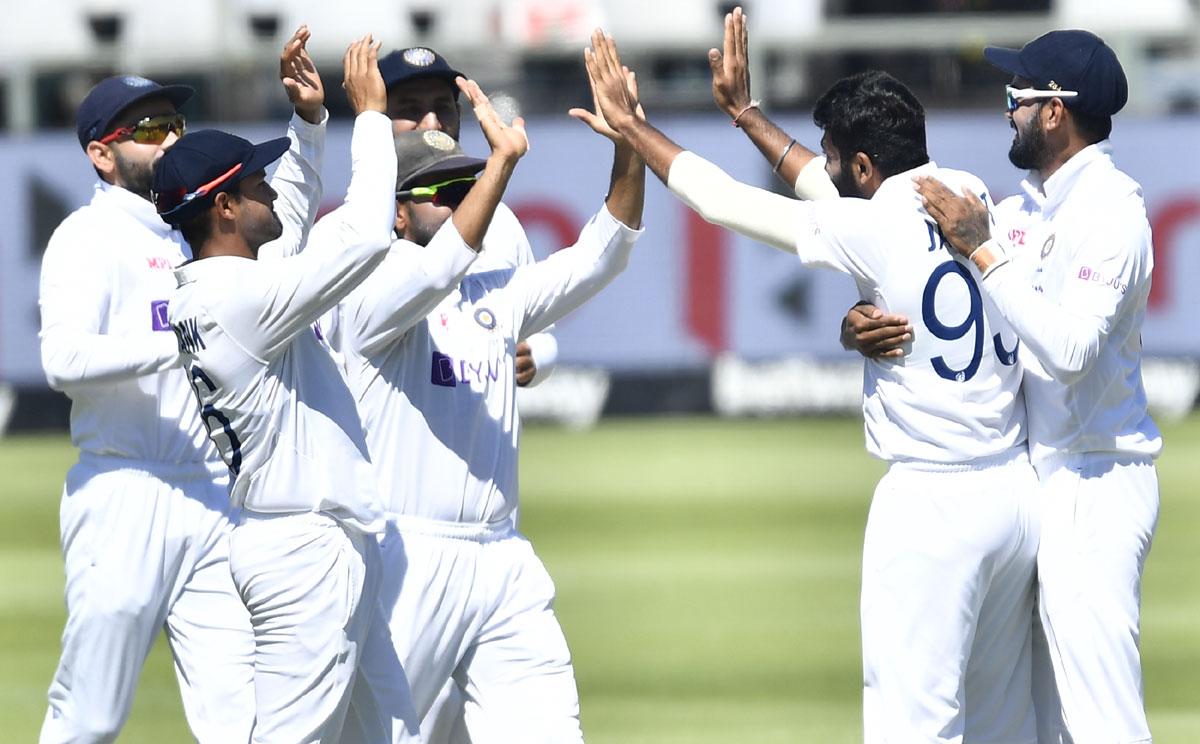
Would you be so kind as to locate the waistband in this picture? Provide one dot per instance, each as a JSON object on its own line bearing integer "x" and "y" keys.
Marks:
{"x": 473, "y": 531}
{"x": 1088, "y": 461}
{"x": 195, "y": 470}
{"x": 1013, "y": 455}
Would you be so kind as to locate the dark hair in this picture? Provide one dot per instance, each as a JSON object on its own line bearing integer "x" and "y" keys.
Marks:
{"x": 1091, "y": 127}
{"x": 197, "y": 230}
{"x": 874, "y": 113}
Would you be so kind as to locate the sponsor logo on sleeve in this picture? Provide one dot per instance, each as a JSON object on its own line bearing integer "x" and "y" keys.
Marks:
{"x": 158, "y": 316}
{"x": 1088, "y": 274}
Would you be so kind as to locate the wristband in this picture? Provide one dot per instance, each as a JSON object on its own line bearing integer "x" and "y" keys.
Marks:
{"x": 753, "y": 104}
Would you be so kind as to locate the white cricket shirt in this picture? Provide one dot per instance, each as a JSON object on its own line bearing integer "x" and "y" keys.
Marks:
{"x": 270, "y": 393}
{"x": 105, "y": 339}
{"x": 1075, "y": 292}
{"x": 433, "y": 370}
{"x": 955, "y": 396}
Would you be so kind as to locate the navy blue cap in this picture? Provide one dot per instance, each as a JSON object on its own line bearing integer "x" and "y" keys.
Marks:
{"x": 1069, "y": 60}
{"x": 403, "y": 65}
{"x": 111, "y": 96}
{"x": 206, "y": 158}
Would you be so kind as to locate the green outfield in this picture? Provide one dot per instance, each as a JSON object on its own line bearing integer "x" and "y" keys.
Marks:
{"x": 707, "y": 576}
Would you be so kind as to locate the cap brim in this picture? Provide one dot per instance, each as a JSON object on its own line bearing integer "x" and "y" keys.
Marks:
{"x": 1006, "y": 59}
{"x": 459, "y": 165}
{"x": 264, "y": 154}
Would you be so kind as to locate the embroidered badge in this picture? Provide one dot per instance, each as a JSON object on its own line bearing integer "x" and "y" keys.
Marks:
{"x": 419, "y": 56}
{"x": 438, "y": 140}
{"x": 485, "y": 318}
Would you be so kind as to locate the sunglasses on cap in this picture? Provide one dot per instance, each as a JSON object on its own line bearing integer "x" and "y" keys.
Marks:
{"x": 152, "y": 130}
{"x": 445, "y": 194}
{"x": 1014, "y": 97}
{"x": 168, "y": 201}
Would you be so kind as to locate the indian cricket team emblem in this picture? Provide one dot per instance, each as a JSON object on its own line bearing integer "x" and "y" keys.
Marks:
{"x": 485, "y": 318}
{"x": 419, "y": 56}
{"x": 438, "y": 140}
{"x": 1047, "y": 246}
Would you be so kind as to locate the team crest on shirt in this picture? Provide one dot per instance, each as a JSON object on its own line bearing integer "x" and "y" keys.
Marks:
{"x": 485, "y": 318}
{"x": 1047, "y": 246}
{"x": 419, "y": 56}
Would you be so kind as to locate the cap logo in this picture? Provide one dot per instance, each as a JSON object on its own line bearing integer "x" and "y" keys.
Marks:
{"x": 133, "y": 81}
{"x": 438, "y": 140}
{"x": 419, "y": 56}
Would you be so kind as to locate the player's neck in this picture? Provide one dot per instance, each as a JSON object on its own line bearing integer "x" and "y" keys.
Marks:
{"x": 226, "y": 245}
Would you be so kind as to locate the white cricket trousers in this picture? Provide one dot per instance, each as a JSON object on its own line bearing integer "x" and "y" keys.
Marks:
{"x": 1098, "y": 518}
{"x": 311, "y": 585}
{"x": 474, "y": 604}
{"x": 947, "y": 603}
{"x": 146, "y": 546}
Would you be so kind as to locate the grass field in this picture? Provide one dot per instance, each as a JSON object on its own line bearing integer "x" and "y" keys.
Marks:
{"x": 707, "y": 576}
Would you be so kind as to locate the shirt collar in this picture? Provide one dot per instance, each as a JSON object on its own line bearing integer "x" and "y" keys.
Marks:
{"x": 135, "y": 206}
{"x": 1052, "y": 192}
{"x": 900, "y": 186}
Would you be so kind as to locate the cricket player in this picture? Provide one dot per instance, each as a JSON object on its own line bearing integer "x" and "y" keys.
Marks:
{"x": 303, "y": 556}
{"x": 1070, "y": 270}
{"x": 422, "y": 95}
{"x": 951, "y": 538}
{"x": 436, "y": 388}
{"x": 145, "y": 512}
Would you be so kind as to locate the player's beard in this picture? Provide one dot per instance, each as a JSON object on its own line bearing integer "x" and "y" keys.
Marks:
{"x": 846, "y": 187}
{"x": 263, "y": 231}
{"x": 1029, "y": 150}
{"x": 423, "y": 223}
{"x": 134, "y": 175}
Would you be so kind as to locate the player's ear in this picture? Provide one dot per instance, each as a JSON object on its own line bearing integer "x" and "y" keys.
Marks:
{"x": 402, "y": 218}
{"x": 225, "y": 206}
{"x": 103, "y": 160}
{"x": 861, "y": 168}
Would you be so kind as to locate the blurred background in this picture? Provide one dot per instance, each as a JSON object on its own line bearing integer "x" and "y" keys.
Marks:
{"x": 702, "y": 509}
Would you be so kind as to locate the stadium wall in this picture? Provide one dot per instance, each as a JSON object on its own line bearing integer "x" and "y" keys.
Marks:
{"x": 693, "y": 294}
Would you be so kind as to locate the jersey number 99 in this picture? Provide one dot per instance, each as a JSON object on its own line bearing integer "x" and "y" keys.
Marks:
{"x": 973, "y": 324}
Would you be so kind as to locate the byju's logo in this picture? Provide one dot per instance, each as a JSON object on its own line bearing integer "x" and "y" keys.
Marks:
{"x": 158, "y": 316}
{"x": 442, "y": 372}
{"x": 449, "y": 372}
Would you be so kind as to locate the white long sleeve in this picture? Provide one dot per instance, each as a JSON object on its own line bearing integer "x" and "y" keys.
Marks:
{"x": 297, "y": 181}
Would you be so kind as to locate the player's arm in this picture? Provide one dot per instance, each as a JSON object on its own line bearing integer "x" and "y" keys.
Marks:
{"x": 536, "y": 356}
{"x": 1066, "y": 333}
{"x": 800, "y": 168}
{"x": 297, "y": 178}
{"x": 290, "y": 294}
{"x": 554, "y": 287}
{"x": 414, "y": 279}
{"x": 73, "y": 297}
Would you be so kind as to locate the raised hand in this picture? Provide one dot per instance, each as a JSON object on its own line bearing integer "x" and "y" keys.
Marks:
{"x": 610, "y": 85}
{"x": 363, "y": 82}
{"x": 300, "y": 77}
{"x": 731, "y": 67}
{"x": 596, "y": 120}
{"x": 507, "y": 142}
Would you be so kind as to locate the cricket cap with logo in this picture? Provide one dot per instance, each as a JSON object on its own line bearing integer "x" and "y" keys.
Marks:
{"x": 403, "y": 65}
{"x": 1070, "y": 60}
{"x": 429, "y": 154}
{"x": 100, "y": 107}
{"x": 201, "y": 165}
